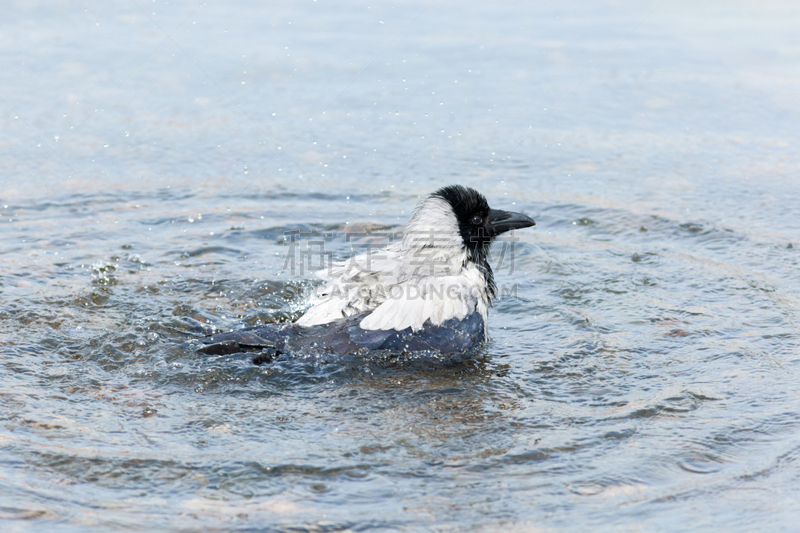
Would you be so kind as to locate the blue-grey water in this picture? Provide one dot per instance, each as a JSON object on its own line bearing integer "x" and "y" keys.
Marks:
{"x": 643, "y": 369}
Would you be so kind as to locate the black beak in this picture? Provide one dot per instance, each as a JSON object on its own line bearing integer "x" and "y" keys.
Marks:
{"x": 503, "y": 221}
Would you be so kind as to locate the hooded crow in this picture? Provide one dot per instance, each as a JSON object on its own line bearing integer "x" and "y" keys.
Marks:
{"x": 430, "y": 291}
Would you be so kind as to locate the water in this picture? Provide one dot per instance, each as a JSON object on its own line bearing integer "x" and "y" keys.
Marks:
{"x": 642, "y": 377}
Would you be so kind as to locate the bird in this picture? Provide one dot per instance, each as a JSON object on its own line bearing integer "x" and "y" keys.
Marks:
{"x": 430, "y": 291}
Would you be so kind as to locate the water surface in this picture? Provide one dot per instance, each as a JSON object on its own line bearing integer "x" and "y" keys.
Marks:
{"x": 642, "y": 372}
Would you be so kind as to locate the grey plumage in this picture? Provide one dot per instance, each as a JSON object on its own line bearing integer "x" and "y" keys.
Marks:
{"x": 436, "y": 279}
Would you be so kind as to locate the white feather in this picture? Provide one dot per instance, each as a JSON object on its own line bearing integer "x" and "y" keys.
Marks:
{"x": 424, "y": 277}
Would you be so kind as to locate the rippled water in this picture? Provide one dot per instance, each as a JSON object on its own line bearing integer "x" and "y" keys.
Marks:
{"x": 643, "y": 376}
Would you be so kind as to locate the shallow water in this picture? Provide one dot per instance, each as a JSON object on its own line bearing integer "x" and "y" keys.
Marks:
{"x": 642, "y": 368}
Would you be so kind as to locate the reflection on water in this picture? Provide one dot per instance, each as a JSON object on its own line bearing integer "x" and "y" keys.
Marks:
{"x": 642, "y": 377}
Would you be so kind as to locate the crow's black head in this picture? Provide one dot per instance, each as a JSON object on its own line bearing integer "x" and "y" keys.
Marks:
{"x": 479, "y": 224}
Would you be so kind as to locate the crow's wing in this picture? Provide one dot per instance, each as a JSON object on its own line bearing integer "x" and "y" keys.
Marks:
{"x": 347, "y": 336}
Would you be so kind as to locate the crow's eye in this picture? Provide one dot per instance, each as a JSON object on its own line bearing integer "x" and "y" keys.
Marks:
{"x": 477, "y": 220}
